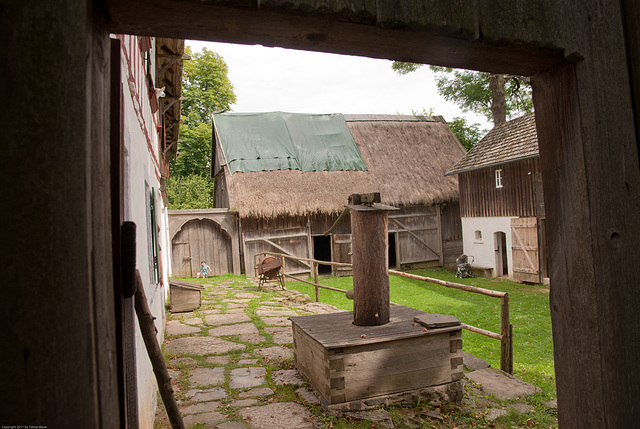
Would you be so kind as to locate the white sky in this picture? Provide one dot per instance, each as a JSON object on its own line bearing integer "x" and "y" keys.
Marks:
{"x": 276, "y": 79}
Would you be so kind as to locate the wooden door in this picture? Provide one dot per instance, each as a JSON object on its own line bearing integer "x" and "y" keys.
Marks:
{"x": 525, "y": 250}
{"x": 418, "y": 235}
{"x": 341, "y": 252}
{"x": 201, "y": 240}
{"x": 181, "y": 259}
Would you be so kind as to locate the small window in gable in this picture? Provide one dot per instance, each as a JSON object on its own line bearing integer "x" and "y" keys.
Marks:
{"x": 478, "y": 238}
{"x": 499, "y": 178}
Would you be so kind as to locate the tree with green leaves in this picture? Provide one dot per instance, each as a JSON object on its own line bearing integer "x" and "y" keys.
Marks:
{"x": 206, "y": 86}
{"x": 494, "y": 96}
{"x": 468, "y": 134}
{"x": 190, "y": 192}
{"x": 206, "y": 89}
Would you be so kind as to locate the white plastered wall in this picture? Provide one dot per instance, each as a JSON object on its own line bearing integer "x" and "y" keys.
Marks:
{"x": 483, "y": 250}
{"x": 141, "y": 176}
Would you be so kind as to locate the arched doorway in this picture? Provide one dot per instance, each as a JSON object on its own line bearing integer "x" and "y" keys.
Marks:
{"x": 201, "y": 240}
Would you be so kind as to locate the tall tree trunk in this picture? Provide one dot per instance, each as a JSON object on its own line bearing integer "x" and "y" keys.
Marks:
{"x": 498, "y": 102}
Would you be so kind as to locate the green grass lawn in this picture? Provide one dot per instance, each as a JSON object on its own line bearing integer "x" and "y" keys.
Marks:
{"x": 529, "y": 315}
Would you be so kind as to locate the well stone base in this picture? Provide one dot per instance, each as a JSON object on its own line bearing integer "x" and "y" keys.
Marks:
{"x": 449, "y": 393}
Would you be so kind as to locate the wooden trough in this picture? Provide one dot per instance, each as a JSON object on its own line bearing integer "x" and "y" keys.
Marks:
{"x": 184, "y": 296}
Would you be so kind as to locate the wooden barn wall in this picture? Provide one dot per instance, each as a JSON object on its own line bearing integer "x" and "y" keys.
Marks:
{"x": 442, "y": 233}
{"x": 451, "y": 232}
{"x": 418, "y": 235}
{"x": 292, "y": 241}
{"x": 479, "y": 196}
{"x": 319, "y": 223}
{"x": 450, "y": 219}
{"x": 220, "y": 192}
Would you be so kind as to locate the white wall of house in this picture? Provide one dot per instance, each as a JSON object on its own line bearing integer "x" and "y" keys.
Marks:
{"x": 483, "y": 247}
{"x": 142, "y": 176}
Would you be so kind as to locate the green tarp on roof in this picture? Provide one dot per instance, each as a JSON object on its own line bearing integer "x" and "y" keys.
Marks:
{"x": 287, "y": 141}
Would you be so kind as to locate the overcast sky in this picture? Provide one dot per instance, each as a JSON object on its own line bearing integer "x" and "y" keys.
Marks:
{"x": 276, "y": 79}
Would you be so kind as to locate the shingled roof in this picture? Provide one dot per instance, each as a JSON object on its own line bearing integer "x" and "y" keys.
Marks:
{"x": 406, "y": 158}
{"x": 512, "y": 141}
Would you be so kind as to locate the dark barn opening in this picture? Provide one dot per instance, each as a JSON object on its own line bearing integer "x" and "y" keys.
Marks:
{"x": 322, "y": 252}
{"x": 392, "y": 251}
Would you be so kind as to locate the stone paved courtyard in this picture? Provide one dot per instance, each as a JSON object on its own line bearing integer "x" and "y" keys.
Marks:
{"x": 231, "y": 364}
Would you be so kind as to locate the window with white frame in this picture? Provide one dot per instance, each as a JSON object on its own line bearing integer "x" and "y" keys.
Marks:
{"x": 478, "y": 237}
{"x": 499, "y": 178}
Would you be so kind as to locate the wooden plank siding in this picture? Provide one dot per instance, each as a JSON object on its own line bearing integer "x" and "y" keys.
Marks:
{"x": 525, "y": 250}
{"x": 319, "y": 223}
{"x": 450, "y": 221}
{"x": 341, "y": 252}
{"x": 479, "y": 196}
{"x": 291, "y": 241}
{"x": 425, "y": 226}
{"x": 418, "y": 234}
{"x": 451, "y": 227}
{"x": 346, "y": 362}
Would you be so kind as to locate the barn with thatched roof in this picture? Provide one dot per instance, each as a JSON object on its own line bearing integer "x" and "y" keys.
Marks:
{"x": 288, "y": 176}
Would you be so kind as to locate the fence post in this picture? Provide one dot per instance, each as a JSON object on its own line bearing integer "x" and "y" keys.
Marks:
{"x": 315, "y": 280}
{"x": 255, "y": 264}
{"x": 284, "y": 282}
{"x": 506, "y": 342}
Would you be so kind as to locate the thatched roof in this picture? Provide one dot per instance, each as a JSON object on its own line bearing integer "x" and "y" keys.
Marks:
{"x": 508, "y": 142}
{"x": 406, "y": 157}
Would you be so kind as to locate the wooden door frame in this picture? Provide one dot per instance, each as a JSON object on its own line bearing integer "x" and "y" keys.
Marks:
{"x": 500, "y": 251}
{"x": 587, "y": 131}
{"x": 583, "y": 129}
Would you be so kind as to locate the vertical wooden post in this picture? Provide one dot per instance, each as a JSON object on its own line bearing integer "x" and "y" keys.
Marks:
{"x": 315, "y": 280}
{"x": 370, "y": 266}
{"x": 255, "y": 264}
{"x": 284, "y": 281}
{"x": 506, "y": 343}
{"x": 149, "y": 332}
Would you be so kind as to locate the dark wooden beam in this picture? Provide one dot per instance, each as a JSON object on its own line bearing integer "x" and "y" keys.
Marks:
{"x": 591, "y": 183}
{"x": 445, "y": 33}
{"x": 58, "y": 345}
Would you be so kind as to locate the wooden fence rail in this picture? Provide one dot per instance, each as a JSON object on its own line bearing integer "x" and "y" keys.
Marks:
{"x": 315, "y": 263}
{"x": 506, "y": 328}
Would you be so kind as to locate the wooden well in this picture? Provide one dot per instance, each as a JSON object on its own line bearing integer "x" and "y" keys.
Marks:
{"x": 345, "y": 362}
{"x": 377, "y": 350}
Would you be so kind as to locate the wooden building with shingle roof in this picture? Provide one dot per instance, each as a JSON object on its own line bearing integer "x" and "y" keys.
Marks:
{"x": 501, "y": 201}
